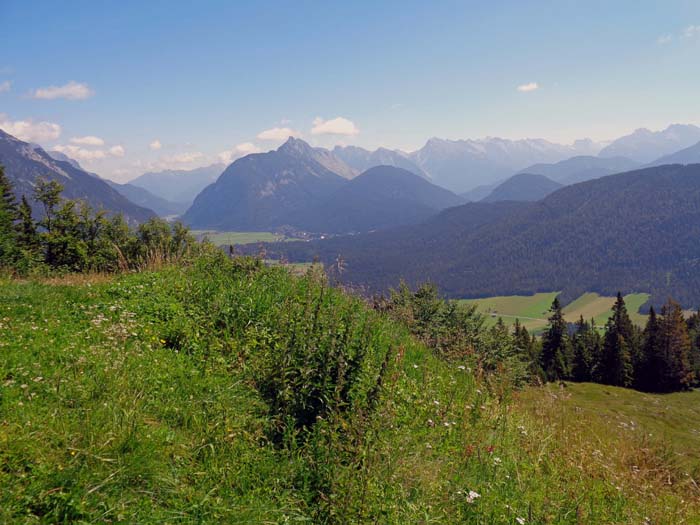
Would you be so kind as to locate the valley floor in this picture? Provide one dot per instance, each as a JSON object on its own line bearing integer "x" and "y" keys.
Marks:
{"x": 133, "y": 400}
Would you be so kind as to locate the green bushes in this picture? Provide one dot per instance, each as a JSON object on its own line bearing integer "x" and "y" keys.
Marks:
{"x": 71, "y": 237}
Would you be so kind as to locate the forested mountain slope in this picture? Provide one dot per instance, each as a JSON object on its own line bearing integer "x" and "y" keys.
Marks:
{"x": 635, "y": 232}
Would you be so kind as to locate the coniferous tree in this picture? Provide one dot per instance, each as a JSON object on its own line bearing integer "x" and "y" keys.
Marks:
{"x": 675, "y": 348}
{"x": 555, "y": 345}
{"x": 693, "y": 323}
{"x": 582, "y": 365}
{"x": 27, "y": 236}
{"x": 651, "y": 365}
{"x": 528, "y": 348}
{"x": 618, "y": 347}
{"x": 8, "y": 216}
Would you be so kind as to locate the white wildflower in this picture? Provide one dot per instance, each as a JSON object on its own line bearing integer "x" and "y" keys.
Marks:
{"x": 521, "y": 521}
{"x": 472, "y": 496}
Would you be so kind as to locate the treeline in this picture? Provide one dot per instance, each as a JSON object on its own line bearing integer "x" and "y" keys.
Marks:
{"x": 71, "y": 236}
{"x": 663, "y": 357}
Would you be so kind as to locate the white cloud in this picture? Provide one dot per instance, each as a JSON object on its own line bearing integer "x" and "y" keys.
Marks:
{"x": 117, "y": 151}
{"x": 336, "y": 126}
{"x": 89, "y": 155}
{"x": 5, "y": 86}
{"x": 530, "y": 86}
{"x": 184, "y": 158}
{"x": 241, "y": 150}
{"x": 155, "y": 145}
{"x": 29, "y": 130}
{"x": 277, "y": 134}
{"x": 71, "y": 91}
{"x": 691, "y": 31}
{"x": 89, "y": 140}
{"x": 78, "y": 153}
{"x": 664, "y": 39}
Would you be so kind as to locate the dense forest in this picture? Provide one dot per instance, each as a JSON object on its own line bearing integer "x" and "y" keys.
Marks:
{"x": 633, "y": 232}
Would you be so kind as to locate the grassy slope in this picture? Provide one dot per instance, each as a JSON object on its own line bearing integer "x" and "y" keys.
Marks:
{"x": 628, "y": 437}
{"x": 536, "y": 307}
{"x": 104, "y": 417}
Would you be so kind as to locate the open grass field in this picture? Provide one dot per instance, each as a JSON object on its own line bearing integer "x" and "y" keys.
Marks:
{"x": 610, "y": 426}
{"x": 137, "y": 399}
{"x": 228, "y": 238}
{"x": 533, "y": 310}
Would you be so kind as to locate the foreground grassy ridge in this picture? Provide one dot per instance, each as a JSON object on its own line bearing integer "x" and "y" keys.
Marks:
{"x": 533, "y": 310}
{"x": 136, "y": 401}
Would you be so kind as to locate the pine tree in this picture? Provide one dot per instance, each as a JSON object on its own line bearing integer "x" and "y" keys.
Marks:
{"x": 582, "y": 366}
{"x": 555, "y": 346}
{"x": 8, "y": 216}
{"x": 693, "y": 323}
{"x": 650, "y": 369}
{"x": 528, "y": 348}
{"x": 27, "y": 236}
{"x": 618, "y": 348}
{"x": 675, "y": 348}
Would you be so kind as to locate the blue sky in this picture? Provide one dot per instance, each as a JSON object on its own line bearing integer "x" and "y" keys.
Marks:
{"x": 202, "y": 79}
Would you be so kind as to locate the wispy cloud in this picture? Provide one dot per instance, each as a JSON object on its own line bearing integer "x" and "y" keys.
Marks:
{"x": 238, "y": 151}
{"x": 29, "y": 130}
{"x": 664, "y": 39}
{"x": 277, "y": 134}
{"x": 691, "y": 31}
{"x": 5, "y": 86}
{"x": 70, "y": 91}
{"x": 530, "y": 86}
{"x": 89, "y": 140}
{"x": 155, "y": 145}
{"x": 184, "y": 158}
{"x": 90, "y": 155}
{"x": 336, "y": 126}
{"x": 117, "y": 151}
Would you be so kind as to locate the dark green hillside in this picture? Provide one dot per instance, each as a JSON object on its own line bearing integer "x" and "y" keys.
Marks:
{"x": 635, "y": 232}
{"x": 526, "y": 187}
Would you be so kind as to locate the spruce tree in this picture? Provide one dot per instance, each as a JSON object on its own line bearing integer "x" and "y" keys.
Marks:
{"x": 582, "y": 366}
{"x": 8, "y": 216}
{"x": 555, "y": 346}
{"x": 618, "y": 347}
{"x": 675, "y": 348}
{"x": 27, "y": 236}
{"x": 650, "y": 369}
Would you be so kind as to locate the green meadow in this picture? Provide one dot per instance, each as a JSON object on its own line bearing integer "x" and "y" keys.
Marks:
{"x": 533, "y": 310}
{"x": 228, "y": 238}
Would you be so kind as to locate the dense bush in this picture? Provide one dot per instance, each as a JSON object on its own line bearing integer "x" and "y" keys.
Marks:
{"x": 70, "y": 236}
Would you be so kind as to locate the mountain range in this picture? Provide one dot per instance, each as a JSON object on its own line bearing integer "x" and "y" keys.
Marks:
{"x": 381, "y": 197}
{"x": 645, "y": 146}
{"x": 312, "y": 189}
{"x": 26, "y": 163}
{"x": 461, "y": 165}
{"x": 178, "y": 186}
{"x": 635, "y": 232}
